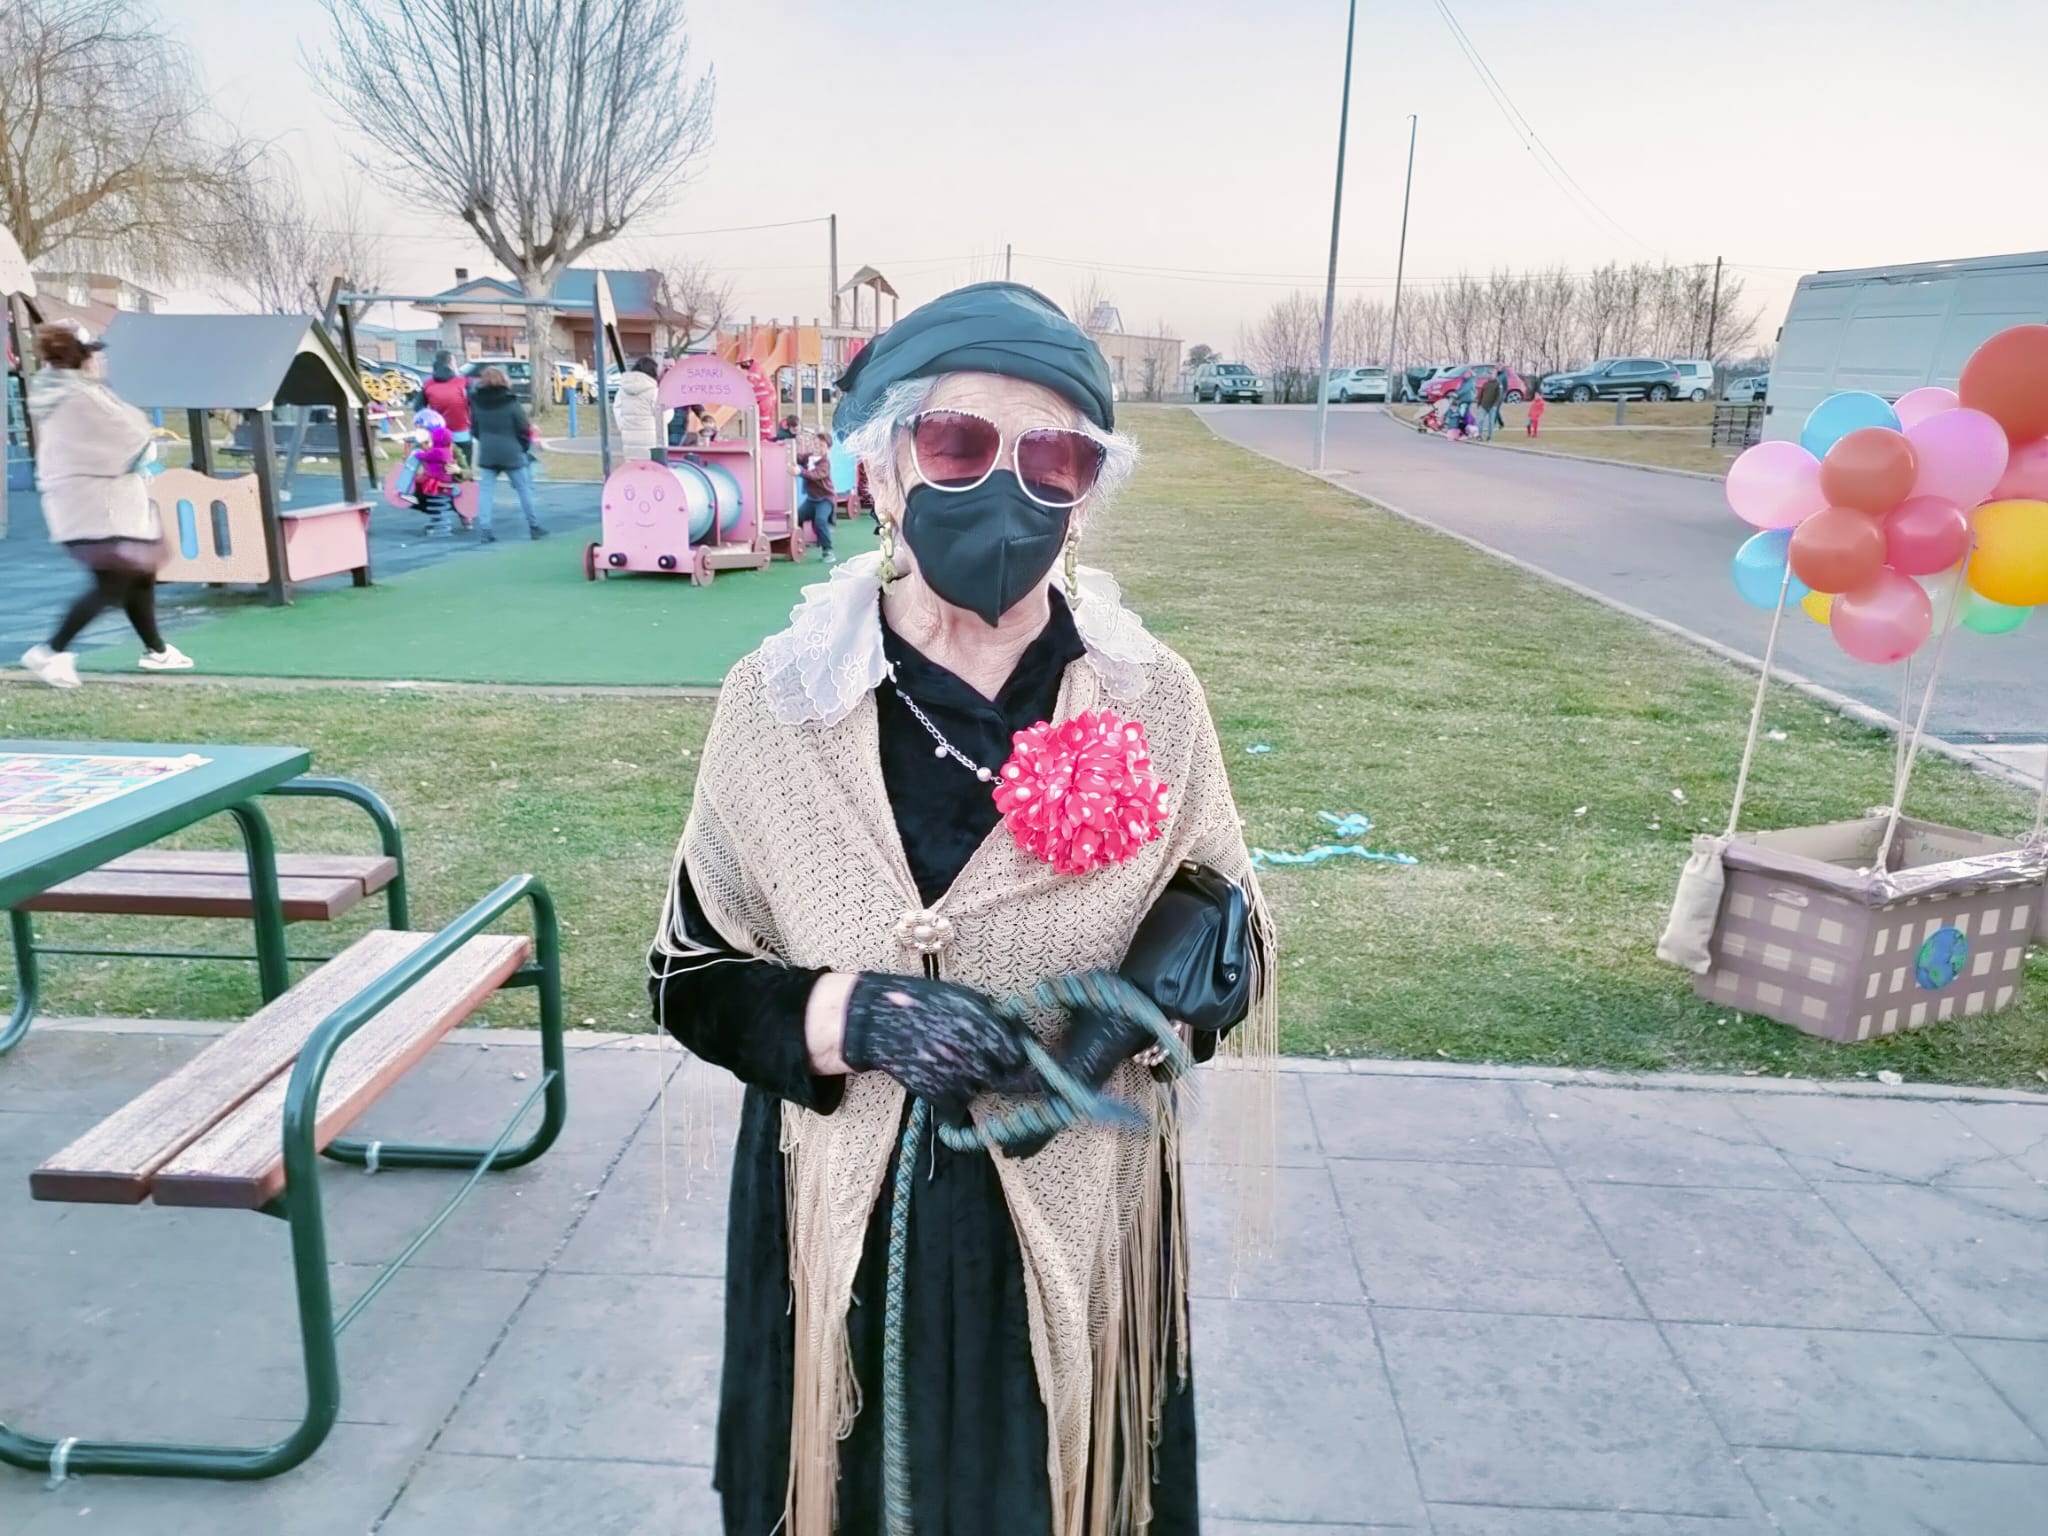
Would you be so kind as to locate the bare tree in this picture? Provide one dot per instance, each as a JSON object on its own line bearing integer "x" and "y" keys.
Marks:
{"x": 283, "y": 256}
{"x": 1201, "y": 352}
{"x": 1087, "y": 303}
{"x": 697, "y": 297}
{"x": 1286, "y": 344}
{"x": 547, "y": 126}
{"x": 107, "y": 151}
{"x": 1159, "y": 362}
{"x": 1359, "y": 331}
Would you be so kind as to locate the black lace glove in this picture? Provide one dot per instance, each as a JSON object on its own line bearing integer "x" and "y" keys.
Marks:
{"x": 1095, "y": 1045}
{"x": 943, "y": 1042}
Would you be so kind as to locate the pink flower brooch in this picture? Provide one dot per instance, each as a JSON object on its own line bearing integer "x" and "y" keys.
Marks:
{"x": 1081, "y": 794}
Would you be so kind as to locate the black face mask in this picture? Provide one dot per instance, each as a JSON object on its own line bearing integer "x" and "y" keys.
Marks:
{"x": 983, "y": 549}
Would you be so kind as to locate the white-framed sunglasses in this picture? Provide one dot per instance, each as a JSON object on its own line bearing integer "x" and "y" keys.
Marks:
{"x": 957, "y": 450}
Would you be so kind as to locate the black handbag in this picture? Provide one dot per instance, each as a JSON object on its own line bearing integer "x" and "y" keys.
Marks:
{"x": 1191, "y": 954}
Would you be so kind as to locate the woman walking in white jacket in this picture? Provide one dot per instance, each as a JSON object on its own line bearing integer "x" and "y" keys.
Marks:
{"x": 642, "y": 423}
{"x": 90, "y": 444}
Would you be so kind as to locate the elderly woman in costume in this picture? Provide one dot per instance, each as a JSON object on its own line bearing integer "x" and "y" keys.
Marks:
{"x": 963, "y": 776}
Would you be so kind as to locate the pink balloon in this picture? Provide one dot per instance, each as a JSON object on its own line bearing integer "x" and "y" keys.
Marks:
{"x": 1925, "y": 534}
{"x": 2026, "y": 474}
{"x": 1885, "y": 622}
{"x": 1916, "y": 405}
{"x": 1961, "y": 455}
{"x": 1775, "y": 485}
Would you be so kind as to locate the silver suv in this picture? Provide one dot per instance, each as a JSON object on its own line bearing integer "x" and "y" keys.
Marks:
{"x": 1229, "y": 383}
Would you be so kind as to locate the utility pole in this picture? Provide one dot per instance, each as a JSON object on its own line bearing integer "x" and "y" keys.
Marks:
{"x": 835, "y": 271}
{"x": 1714, "y": 309}
{"x": 1322, "y": 383}
{"x": 1006, "y": 261}
{"x": 1395, "y": 377}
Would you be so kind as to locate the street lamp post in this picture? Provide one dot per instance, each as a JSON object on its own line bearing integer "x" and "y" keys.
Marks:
{"x": 1322, "y": 384}
{"x": 1394, "y": 376}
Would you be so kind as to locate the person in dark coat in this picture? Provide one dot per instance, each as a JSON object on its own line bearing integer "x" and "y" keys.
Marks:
{"x": 1489, "y": 405}
{"x": 504, "y": 441}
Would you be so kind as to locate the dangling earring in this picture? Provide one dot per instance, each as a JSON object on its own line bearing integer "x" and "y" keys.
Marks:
{"x": 1073, "y": 567}
{"x": 888, "y": 551}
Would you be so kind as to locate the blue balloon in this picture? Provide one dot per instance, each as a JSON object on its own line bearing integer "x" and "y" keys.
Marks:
{"x": 1839, "y": 415}
{"x": 1759, "y": 570}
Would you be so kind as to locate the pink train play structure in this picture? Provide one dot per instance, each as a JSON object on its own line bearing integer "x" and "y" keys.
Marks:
{"x": 725, "y": 506}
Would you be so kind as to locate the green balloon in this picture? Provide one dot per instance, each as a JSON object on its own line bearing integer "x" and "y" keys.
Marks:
{"x": 1989, "y": 618}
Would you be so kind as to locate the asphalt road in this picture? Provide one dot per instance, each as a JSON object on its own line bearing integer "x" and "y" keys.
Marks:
{"x": 1660, "y": 543}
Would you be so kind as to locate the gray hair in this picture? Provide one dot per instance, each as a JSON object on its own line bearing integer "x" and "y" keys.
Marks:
{"x": 873, "y": 443}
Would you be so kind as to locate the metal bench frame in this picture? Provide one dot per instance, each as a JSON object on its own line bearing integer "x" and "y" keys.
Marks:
{"x": 300, "y": 1204}
{"x": 272, "y": 956}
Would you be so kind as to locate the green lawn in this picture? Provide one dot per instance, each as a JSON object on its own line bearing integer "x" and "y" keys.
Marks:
{"x": 1524, "y": 744}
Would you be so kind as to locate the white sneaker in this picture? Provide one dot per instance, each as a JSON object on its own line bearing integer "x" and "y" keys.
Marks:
{"x": 57, "y": 668}
{"x": 169, "y": 659}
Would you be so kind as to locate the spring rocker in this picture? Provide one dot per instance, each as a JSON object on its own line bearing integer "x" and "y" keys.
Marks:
{"x": 233, "y": 529}
{"x": 720, "y": 506}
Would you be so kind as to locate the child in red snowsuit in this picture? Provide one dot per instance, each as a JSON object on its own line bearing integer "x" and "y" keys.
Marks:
{"x": 1535, "y": 414}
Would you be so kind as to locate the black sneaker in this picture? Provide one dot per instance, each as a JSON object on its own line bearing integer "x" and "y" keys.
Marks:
{"x": 489, "y": 537}
{"x": 536, "y": 532}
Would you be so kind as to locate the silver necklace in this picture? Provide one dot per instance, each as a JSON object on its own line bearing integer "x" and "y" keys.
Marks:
{"x": 944, "y": 748}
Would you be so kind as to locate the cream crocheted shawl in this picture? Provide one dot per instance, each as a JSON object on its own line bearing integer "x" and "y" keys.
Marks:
{"x": 792, "y": 849}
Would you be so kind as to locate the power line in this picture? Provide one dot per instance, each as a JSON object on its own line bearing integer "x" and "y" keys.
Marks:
{"x": 1523, "y": 129}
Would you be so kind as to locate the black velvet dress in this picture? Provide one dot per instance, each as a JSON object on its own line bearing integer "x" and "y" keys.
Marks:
{"x": 977, "y": 1423}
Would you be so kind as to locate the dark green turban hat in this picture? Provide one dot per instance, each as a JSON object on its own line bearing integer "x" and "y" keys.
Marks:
{"x": 1003, "y": 328}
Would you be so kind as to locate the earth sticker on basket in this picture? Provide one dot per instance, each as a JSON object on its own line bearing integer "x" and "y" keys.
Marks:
{"x": 1941, "y": 959}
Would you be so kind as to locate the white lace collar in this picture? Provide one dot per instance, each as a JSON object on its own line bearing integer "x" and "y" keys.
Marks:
{"x": 816, "y": 670}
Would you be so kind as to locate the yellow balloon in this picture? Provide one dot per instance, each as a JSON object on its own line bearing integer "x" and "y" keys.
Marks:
{"x": 1818, "y": 606}
{"x": 2010, "y": 564}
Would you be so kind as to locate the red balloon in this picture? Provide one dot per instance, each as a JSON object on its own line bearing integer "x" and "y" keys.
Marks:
{"x": 1925, "y": 535}
{"x": 2007, "y": 379}
{"x": 1838, "y": 550}
{"x": 2026, "y": 474}
{"x": 1870, "y": 469}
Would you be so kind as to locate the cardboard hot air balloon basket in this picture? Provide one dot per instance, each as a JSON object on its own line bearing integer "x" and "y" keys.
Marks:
{"x": 1814, "y": 933}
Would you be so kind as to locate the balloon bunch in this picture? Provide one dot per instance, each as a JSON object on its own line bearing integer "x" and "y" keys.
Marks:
{"x": 1891, "y": 517}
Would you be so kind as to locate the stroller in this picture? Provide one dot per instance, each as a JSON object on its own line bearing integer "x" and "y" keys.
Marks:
{"x": 1431, "y": 420}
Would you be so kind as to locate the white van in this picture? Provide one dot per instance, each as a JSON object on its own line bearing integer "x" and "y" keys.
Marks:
{"x": 1695, "y": 377}
{"x": 1891, "y": 329}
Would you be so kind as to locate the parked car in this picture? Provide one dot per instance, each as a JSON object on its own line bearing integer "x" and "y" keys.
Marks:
{"x": 1348, "y": 384}
{"x": 1615, "y": 378}
{"x": 1228, "y": 383}
{"x": 1695, "y": 377}
{"x": 1447, "y": 381}
{"x": 1748, "y": 390}
{"x": 518, "y": 372}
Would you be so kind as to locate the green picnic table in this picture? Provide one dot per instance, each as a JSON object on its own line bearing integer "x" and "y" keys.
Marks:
{"x": 68, "y": 808}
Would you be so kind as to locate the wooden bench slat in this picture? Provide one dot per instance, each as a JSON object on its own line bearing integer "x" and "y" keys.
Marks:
{"x": 112, "y": 1163}
{"x": 145, "y": 894}
{"x": 239, "y": 1162}
{"x": 372, "y": 871}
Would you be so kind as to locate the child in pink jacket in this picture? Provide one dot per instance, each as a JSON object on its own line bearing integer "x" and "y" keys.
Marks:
{"x": 434, "y": 486}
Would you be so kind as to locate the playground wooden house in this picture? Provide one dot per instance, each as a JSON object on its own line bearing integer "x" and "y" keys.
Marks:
{"x": 224, "y": 529}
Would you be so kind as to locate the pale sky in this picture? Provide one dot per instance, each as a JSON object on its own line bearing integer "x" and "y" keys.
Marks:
{"x": 1184, "y": 150}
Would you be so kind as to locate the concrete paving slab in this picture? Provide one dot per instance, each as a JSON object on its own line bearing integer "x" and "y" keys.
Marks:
{"x": 1484, "y": 1520}
{"x": 1654, "y": 1137}
{"x": 1576, "y": 1413}
{"x": 1310, "y": 1258}
{"x": 2019, "y": 1371}
{"x": 341, "y": 1492}
{"x": 2020, "y": 1131}
{"x": 451, "y": 1495}
{"x": 1748, "y": 1256}
{"x": 1816, "y": 1493}
{"x": 1435, "y": 1120}
{"x": 1841, "y": 1140}
{"x": 57, "y": 1071}
{"x": 599, "y": 1366}
{"x": 643, "y": 1225}
{"x": 1296, "y": 1528}
{"x": 1211, "y": 1136}
{"x": 1297, "y": 1386}
{"x": 1975, "y": 1259}
{"x": 1827, "y": 1390}
{"x": 1475, "y": 1238}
